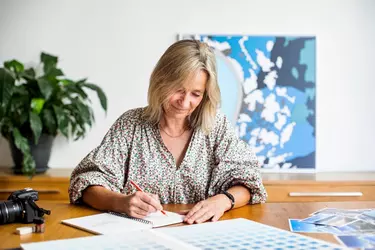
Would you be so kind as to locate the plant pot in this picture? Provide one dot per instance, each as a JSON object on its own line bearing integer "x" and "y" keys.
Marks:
{"x": 40, "y": 152}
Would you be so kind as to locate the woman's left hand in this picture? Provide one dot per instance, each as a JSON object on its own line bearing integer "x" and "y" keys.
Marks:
{"x": 212, "y": 208}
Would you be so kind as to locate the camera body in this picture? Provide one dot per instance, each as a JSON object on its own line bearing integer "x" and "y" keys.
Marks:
{"x": 21, "y": 207}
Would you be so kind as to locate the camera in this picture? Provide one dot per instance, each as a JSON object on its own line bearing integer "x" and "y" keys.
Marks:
{"x": 21, "y": 207}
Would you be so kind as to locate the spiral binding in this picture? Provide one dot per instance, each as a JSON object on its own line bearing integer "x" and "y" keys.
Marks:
{"x": 132, "y": 218}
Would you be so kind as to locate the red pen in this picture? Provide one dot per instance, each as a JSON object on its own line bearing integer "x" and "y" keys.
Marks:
{"x": 140, "y": 189}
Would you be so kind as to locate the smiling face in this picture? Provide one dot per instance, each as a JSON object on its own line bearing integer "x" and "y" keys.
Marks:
{"x": 185, "y": 100}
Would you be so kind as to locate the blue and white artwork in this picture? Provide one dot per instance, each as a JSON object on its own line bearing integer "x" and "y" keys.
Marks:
{"x": 267, "y": 88}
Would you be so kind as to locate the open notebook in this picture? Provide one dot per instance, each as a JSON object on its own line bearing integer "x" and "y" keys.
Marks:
{"x": 113, "y": 223}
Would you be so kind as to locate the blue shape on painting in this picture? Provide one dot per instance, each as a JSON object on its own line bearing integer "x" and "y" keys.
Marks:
{"x": 230, "y": 89}
{"x": 295, "y": 72}
{"x": 268, "y": 91}
{"x": 308, "y": 58}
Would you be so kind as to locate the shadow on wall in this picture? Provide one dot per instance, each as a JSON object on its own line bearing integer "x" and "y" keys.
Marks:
{"x": 5, "y": 155}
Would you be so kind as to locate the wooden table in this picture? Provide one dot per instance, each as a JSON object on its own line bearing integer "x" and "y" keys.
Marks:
{"x": 274, "y": 214}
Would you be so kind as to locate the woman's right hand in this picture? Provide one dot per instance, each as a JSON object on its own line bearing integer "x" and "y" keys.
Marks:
{"x": 140, "y": 204}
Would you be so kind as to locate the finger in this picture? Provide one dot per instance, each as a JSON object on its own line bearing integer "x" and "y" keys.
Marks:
{"x": 141, "y": 212}
{"x": 205, "y": 217}
{"x": 216, "y": 217}
{"x": 194, "y": 210}
{"x": 151, "y": 201}
{"x": 138, "y": 213}
{"x": 196, "y": 215}
{"x": 154, "y": 196}
{"x": 183, "y": 212}
{"x": 138, "y": 203}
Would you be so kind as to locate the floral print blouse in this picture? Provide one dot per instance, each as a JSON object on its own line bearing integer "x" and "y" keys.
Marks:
{"x": 133, "y": 149}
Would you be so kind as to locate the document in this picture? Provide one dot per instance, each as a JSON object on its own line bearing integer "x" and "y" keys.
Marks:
{"x": 145, "y": 239}
{"x": 115, "y": 223}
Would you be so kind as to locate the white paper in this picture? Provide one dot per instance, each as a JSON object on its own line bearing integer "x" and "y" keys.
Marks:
{"x": 158, "y": 219}
{"x": 243, "y": 234}
{"x": 106, "y": 223}
{"x": 145, "y": 239}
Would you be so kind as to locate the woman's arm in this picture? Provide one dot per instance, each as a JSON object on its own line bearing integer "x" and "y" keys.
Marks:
{"x": 235, "y": 164}
{"x": 103, "y": 166}
{"x": 102, "y": 199}
{"x": 241, "y": 196}
{"x": 235, "y": 170}
{"x": 214, "y": 207}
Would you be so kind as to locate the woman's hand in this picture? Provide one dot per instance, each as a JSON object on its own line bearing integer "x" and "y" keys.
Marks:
{"x": 212, "y": 208}
{"x": 140, "y": 204}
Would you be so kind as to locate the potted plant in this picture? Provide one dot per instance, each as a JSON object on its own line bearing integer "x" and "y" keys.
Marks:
{"x": 37, "y": 104}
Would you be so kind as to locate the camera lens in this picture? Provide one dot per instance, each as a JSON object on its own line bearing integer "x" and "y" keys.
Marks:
{"x": 10, "y": 211}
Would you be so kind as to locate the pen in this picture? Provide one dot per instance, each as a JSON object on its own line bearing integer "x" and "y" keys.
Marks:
{"x": 140, "y": 189}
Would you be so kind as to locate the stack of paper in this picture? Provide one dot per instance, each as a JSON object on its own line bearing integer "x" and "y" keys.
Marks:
{"x": 352, "y": 227}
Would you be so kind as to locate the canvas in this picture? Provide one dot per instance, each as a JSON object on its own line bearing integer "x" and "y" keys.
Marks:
{"x": 268, "y": 92}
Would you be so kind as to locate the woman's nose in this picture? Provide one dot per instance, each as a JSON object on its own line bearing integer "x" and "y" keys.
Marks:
{"x": 184, "y": 101}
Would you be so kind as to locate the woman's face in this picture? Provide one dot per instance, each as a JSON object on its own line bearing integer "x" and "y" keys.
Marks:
{"x": 186, "y": 99}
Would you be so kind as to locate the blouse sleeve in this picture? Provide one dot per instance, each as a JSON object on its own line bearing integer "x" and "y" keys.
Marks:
{"x": 103, "y": 166}
{"x": 235, "y": 163}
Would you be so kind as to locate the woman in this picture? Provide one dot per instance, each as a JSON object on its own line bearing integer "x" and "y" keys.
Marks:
{"x": 179, "y": 149}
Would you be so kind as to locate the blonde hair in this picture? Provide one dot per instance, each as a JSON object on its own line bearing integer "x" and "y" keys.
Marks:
{"x": 179, "y": 61}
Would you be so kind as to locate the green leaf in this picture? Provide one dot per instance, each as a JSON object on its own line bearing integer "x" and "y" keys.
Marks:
{"x": 15, "y": 66}
{"x": 36, "y": 126}
{"x": 85, "y": 112}
{"x": 21, "y": 90}
{"x": 102, "y": 97}
{"x": 6, "y": 127}
{"x": 66, "y": 82}
{"x": 45, "y": 87}
{"x": 29, "y": 74}
{"x": 79, "y": 135}
{"x": 62, "y": 120}
{"x": 49, "y": 121}
{"x": 20, "y": 141}
{"x": 78, "y": 124}
{"x": 28, "y": 165}
{"x": 49, "y": 61}
{"x": 52, "y": 73}
{"x": 37, "y": 105}
{"x": 18, "y": 110}
{"x": 6, "y": 88}
{"x": 81, "y": 81}
{"x": 77, "y": 89}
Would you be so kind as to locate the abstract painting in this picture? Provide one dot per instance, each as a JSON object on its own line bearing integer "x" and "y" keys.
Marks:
{"x": 268, "y": 92}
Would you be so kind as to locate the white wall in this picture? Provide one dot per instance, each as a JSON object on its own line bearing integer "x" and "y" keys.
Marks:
{"x": 117, "y": 43}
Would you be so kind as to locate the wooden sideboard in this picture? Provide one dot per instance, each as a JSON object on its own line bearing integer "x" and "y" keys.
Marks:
{"x": 308, "y": 187}
{"x": 53, "y": 185}
{"x": 281, "y": 187}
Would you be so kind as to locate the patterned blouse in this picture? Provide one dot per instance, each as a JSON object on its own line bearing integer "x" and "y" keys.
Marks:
{"x": 133, "y": 150}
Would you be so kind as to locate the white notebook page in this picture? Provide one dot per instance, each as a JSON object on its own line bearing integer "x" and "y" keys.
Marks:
{"x": 106, "y": 223}
{"x": 158, "y": 219}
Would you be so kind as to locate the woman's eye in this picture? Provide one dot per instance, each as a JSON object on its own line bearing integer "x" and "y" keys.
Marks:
{"x": 196, "y": 94}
